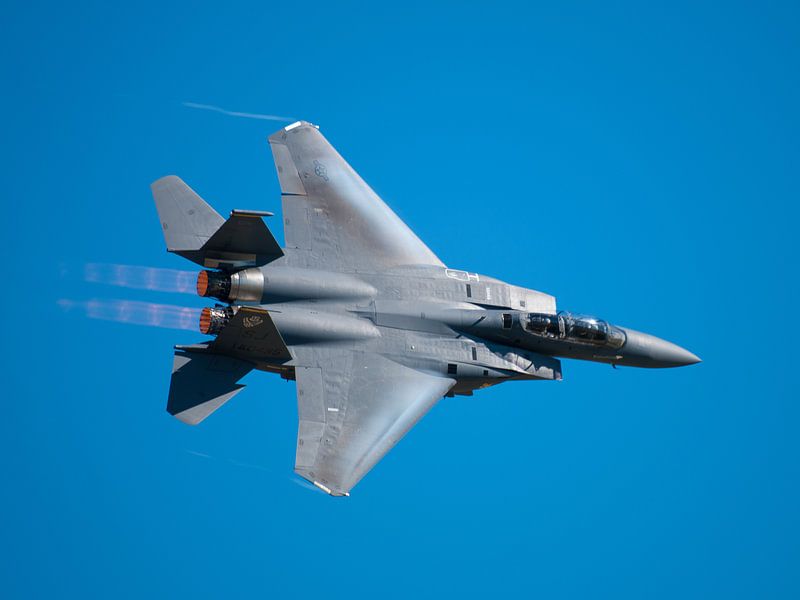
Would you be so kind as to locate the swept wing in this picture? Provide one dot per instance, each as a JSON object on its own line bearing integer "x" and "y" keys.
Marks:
{"x": 331, "y": 216}
{"x": 353, "y": 407}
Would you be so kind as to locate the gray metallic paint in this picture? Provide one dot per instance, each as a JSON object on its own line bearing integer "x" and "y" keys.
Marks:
{"x": 369, "y": 322}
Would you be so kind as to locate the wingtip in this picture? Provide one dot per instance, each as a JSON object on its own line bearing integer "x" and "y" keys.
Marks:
{"x": 280, "y": 135}
{"x": 165, "y": 179}
{"x": 300, "y": 123}
{"x": 329, "y": 491}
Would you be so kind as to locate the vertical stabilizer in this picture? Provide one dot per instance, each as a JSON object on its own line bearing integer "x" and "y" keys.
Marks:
{"x": 187, "y": 221}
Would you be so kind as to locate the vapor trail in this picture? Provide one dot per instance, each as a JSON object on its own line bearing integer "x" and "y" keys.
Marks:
{"x": 232, "y": 461}
{"x": 196, "y": 453}
{"x": 141, "y": 278}
{"x": 133, "y": 312}
{"x": 243, "y": 115}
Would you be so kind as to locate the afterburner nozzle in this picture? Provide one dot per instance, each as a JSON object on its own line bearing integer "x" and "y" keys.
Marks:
{"x": 246, "y": 286}
{"x": 212, "y": 320}
{"x": 214, "y": 284}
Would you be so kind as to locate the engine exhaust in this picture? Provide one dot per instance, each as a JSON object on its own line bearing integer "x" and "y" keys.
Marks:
{"x": 245, "y": 286}
{"x": 213, "y": 320}
{"x": 213, "y": 284}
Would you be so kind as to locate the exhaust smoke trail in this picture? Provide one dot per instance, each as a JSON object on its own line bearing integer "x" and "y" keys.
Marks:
{"x": 148, "y": 314}
{"x": 233, "y": 113}
{"x": 141, "y": 278}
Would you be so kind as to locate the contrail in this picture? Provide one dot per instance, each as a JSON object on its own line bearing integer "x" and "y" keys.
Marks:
{"x": 243, "y": 115}
{"x": 133, "y": 312}
{"x": 232, "y": 461}
{"x": 196, "y": 453}
{"x": 141, "y": 278}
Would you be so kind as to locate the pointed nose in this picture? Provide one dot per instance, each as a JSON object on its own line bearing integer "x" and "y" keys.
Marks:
{"x": 644, "y": 350}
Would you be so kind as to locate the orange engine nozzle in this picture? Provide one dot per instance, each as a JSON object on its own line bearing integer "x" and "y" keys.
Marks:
{"x": 213, "y": 320}
{"x": 202, "y": 283}
{"x": 214, "y": 284}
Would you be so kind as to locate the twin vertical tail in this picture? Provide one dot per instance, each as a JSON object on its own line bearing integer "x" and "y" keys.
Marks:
{"x": 205, "y": 376}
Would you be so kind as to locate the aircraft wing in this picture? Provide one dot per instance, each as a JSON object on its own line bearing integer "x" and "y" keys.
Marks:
{"x": 353, "y": 407}
{"x": 332, "y": 214}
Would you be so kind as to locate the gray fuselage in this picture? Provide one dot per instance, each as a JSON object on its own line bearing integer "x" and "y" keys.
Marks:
{"x": 468, "y": 326}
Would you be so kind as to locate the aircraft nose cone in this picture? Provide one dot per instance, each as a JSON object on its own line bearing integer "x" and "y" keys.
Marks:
{"x": 644, "y": 350}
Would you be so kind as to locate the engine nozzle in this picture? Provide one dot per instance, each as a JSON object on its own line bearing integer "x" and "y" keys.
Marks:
{"x": 213, "y": 284}
{"x": 213, "y": 320}
{"x": 246, "y": 286}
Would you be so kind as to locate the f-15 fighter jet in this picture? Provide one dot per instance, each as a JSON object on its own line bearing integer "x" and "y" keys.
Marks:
{"x": 372, "y": 326}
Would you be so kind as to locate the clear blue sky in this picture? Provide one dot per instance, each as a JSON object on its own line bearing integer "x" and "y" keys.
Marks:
{"x": 638, "y": 162}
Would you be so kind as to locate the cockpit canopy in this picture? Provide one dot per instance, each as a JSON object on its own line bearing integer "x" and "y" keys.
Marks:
{"x": 570, "y": 327}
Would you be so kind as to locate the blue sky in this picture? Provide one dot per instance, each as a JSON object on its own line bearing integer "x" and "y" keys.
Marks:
{"x": 638, "y": 162}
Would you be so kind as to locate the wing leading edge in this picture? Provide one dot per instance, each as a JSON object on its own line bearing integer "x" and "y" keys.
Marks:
{"x": 353, "y": 407}
{"x": 332, "y": 214}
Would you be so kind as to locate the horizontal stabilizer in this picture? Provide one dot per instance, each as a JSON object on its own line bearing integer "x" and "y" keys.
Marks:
{"x": 242, "y": 240}
{"x": 201, "y": 383}
{"x": 195, "y": 231}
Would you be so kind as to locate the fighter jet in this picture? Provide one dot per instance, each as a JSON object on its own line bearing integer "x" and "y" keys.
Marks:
{"x": 356, "y": 309}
